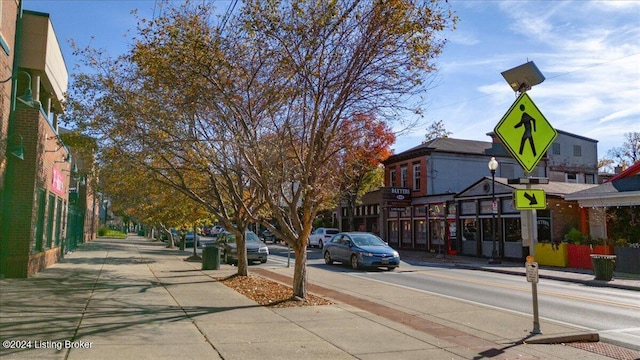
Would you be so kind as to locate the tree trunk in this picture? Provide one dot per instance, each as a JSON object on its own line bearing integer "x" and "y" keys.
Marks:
{"x": 243, "y": 264}
{"x": 351, "y": 211}
{"x": 300, "y": 270}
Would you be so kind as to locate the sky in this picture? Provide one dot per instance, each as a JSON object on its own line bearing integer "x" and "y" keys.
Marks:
{"x": 588, "y": 52}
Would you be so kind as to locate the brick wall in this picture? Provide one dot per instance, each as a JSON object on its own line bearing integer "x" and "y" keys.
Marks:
{"x": 564, "y": 216}
{"x": 7, "y": 33}
{"x": 24, "y": 179}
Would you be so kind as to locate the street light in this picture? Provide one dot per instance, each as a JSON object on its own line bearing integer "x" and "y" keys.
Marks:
{"x": 493, "y": 166}
{"x": 27, "y": 98}
{"x": 105, "y": 202}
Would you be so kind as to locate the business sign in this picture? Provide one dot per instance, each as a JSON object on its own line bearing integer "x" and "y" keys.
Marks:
{"x": 396, "y": 194}
{"x": 525, "y": 132}
{"x": 57, "y": 182}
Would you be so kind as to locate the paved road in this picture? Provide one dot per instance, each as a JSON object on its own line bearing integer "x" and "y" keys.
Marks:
{"x": 614, "y": 313}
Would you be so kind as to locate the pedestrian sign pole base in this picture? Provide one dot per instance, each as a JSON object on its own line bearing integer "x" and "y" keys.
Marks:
{"x": 536, "y": 319}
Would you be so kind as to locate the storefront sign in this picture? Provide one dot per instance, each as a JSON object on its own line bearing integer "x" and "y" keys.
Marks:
{"x": 57, "y": 182}
{"x": 398, "y": 194}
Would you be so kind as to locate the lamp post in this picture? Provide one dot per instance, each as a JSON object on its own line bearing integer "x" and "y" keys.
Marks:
{"x": 105, "y": 202}
{"x": 493, "y": 166}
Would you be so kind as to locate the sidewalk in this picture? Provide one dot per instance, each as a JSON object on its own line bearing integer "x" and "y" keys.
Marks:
{"x": 135, "y": 299}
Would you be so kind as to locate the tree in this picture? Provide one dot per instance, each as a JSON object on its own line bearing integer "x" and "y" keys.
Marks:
{"x": 334, "y": 60}
{"x": 625, "y": 155}
{"x": 150, "y": 109}
{"x": 137, "y": 194}
{"x": 435, "y": 131}
{"x": 247, "y": 115}
{"x": 368, "y": 144}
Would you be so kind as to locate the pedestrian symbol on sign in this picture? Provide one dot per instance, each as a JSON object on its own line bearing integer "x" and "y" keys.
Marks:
{"x": 530, "y": 145}
{"x": 526, "y": 120}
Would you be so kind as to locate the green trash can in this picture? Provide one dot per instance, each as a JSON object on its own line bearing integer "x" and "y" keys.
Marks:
{"x": 210, "y": 258}
{"x": 603, "y": 266}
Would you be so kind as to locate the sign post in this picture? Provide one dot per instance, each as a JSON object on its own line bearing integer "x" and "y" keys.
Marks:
{"x": 527, "y": 135}
{"x": 532, "y": 277}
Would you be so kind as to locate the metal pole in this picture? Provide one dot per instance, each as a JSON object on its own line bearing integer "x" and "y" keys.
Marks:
{"x": 532, "y": 252}
{"x": 494, "y": 252}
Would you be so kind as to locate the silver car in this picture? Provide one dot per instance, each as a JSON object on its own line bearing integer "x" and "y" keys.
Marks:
{"x": 256, "y": 249}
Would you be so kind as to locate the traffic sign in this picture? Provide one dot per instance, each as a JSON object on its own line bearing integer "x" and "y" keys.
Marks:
{"x": 525, "y": 132}
{"x": 530, "y": 199}
{"x": 532, "y": 272}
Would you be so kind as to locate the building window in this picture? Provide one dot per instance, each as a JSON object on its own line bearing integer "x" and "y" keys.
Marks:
{"x": 393, "y": 232}
{"x": 420, "y": 233}
{"x": 577, "y": 150}
{"x": 469, "y": 229}
{"x": 555, "y": 148}
{"x": 512, "y": 230}
{"x": 572, "y": 177}
{"x": 51, "y": 204}
{"x": 39, "y": 231}
{"x": 403, "y": 177}
{"x": 392, "y": 177}
{"x": 589, "y": 179}
{"x": 405, "y": 229}
{"x": 416, "y": 177}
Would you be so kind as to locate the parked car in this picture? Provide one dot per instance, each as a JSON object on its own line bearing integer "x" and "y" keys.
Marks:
{"x": 188, "y": 239}
{"x": 267, "y": 235}
{"x": 256, "y": 249}
{"x": 321, "y": 236}
{"x": 216, "y": 230}
{"x": 360, "y": 249}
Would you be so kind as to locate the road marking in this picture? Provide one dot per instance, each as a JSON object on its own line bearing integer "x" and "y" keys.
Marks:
{"x": 473, "y": 302}
{"x": 528, "y": 289}
{"x": 620, "y": 330}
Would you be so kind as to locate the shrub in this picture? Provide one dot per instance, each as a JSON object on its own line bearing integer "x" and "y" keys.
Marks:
{"x": 111, "y": 233}
{"x": 574, "y": 236}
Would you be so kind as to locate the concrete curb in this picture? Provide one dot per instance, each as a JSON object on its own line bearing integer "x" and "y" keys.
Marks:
{"x": 563, "y": 339}
{"x": 594, "y": 283}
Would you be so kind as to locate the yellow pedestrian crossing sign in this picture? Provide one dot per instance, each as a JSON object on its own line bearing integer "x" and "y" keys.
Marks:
{"x": 525, "y": 132}
{"x": 530, "y": 199}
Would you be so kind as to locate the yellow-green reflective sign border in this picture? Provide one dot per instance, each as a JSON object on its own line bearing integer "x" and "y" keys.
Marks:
{"x": 530, "y": 199}
{"x": 525, "y": 132}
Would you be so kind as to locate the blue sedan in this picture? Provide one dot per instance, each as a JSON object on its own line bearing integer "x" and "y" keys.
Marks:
{"x": 360, "y": 249}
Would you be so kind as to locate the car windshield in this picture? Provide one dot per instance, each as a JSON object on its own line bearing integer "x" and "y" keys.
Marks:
{"x": 367, "y": 240}
{"x": 332, "y": 231}
{"x": 250, "y": 237}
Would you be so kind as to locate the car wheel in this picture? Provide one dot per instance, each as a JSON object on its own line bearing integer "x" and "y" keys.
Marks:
{"x": 263, "y": 261}
{"x": 320, "y": 244}
{"x": 391, "y": 268}
{"x": 327, "y": 258}
{"x": 354, "y": 262}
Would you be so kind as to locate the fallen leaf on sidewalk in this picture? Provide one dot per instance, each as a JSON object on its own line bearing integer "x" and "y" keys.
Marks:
{"x": 269, "y": 293}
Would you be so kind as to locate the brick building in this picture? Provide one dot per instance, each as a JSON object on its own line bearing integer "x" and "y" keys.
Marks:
{"x": 36, "y": 168}
{"x": 433, "y": 176}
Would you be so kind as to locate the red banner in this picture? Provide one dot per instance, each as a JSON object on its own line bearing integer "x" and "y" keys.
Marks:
{"x": 57, "y": 182}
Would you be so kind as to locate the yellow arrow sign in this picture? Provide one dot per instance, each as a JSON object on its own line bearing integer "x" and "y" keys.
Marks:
{"x": 525, "y": 132}
{"x": 530, "y": 199}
